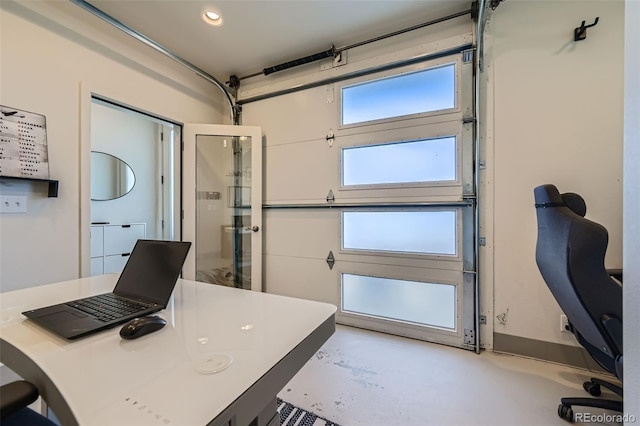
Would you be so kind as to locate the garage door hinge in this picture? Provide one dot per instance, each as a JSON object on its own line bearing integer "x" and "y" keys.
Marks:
{"x": 330, "y": 197}
{"x": 330, "y": 138}
{"x": 469, "y": 336}
{"x": 331, "y": 260}
{"x": 467, "y": 56}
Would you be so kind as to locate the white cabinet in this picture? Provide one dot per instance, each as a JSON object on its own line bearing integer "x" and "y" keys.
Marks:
{"x": 97, "y": 251}
{"x": 111, "y": 246}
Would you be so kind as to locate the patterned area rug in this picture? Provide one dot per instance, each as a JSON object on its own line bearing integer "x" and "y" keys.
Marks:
{"x": 290, "y": 415}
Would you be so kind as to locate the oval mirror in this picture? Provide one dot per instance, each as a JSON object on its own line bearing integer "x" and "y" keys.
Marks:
{"x": 111, "y": 177}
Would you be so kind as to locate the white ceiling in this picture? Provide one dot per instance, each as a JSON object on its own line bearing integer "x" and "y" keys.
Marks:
{"x": 256, "y": 34}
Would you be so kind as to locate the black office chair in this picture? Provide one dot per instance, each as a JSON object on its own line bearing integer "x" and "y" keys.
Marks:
{"x": 14, "y": 400}
{"x": 570, "y": 255}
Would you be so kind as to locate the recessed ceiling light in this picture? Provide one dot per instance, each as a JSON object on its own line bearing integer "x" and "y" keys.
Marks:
{"x": 211, "y": 17}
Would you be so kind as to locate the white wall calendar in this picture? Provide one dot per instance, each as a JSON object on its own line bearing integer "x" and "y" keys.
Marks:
{"x": 23, "y": 144}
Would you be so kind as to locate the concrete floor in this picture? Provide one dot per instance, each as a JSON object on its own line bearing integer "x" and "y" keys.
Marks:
{"x": 367, "y": 378}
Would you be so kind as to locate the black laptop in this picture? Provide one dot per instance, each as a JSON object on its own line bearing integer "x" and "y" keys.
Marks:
{"x": 145, "y": 286}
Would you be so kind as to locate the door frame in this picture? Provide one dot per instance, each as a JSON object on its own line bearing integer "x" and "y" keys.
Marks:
{"x": 88, "y": 92}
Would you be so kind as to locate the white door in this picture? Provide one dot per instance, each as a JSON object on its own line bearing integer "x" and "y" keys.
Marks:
{"x": 222, "y": 204}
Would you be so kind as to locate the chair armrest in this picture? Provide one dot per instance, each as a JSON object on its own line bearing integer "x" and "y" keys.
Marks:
{"x": 615, "y": 273}
{"x": 16, "y": 395}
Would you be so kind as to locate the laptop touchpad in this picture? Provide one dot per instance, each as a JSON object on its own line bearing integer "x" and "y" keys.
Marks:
{"x": 63, "y": 316}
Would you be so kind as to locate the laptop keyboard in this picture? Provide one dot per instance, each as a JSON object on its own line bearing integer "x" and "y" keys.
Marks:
{"x": 107, "y": 307}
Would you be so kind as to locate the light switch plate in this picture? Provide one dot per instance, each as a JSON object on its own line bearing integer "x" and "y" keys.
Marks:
{"x": 13, "y": 204}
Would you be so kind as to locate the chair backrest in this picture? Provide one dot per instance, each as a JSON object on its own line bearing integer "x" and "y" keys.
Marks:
{"x": 570, "y": 254}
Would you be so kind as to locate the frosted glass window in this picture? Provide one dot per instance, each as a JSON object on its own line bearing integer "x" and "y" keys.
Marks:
{"x": 412, "y": 301}
{"x": 426, "y": 232}
{"x": 428, "y": 160}
{"x": 412, "y": 93}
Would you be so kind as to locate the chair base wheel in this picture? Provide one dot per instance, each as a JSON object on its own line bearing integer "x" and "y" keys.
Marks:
{"x": 565, "y": 413}
{"x": 593, "y": 388}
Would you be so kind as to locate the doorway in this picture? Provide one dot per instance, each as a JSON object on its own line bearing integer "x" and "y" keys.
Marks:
{"x": 134, "y": 190}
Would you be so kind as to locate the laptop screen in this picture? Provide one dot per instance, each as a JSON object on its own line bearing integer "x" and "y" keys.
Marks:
{"x": 152, "y": 271}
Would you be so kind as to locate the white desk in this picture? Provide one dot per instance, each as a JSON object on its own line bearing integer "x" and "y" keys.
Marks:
{"x": 154, "y": 380}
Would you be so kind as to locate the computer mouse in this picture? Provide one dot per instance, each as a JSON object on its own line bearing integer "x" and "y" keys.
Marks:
{"x": 142, "y": 326}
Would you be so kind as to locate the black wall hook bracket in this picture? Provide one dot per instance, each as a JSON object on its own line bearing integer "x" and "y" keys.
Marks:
{"x": 580, "y": 33}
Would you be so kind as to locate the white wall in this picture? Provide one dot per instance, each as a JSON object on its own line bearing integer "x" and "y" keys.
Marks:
{"x": 133, "y": 138}
{"x": 557, "y": 118}
{"x": 54, "y": 54}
